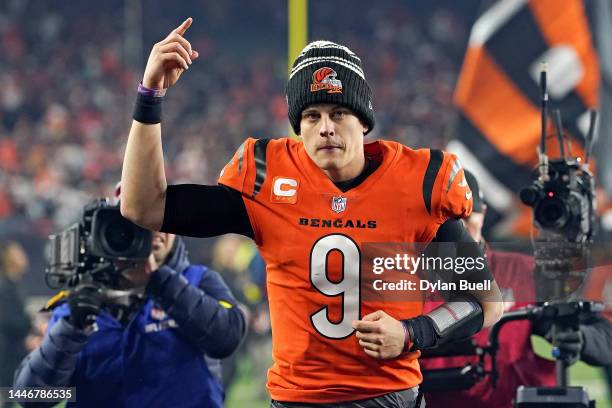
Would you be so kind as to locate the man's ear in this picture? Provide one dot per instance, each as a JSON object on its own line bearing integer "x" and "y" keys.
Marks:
{"x": 364, "y": 125}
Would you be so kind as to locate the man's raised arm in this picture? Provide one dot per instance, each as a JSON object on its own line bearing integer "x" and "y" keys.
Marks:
{"x": 143, "y": 180}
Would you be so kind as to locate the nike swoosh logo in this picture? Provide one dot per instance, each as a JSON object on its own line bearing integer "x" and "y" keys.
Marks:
{"x": 468, "y": 195}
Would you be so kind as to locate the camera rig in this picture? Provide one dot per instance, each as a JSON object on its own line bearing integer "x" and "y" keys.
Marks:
{"x": 562, "y": 198}
{"x": 86, "y": 251}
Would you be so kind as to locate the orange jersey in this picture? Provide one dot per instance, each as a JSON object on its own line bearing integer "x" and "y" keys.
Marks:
{"x": 310, "y": 234}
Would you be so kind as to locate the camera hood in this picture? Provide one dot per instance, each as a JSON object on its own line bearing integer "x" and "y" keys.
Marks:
{"x": 115, "y": 237}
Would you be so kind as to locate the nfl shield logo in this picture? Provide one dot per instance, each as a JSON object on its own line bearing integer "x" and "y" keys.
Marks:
{"x": 338, "y": 204}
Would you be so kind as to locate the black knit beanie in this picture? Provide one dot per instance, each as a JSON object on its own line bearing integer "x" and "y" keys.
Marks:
{"x": 326, "y": 72}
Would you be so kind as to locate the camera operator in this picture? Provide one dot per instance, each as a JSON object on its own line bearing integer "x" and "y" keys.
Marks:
{"x": 146, "y": 348}
{"x": 517, "y": 363}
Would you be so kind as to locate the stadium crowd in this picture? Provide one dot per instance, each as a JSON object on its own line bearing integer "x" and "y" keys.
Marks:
{"x": 69, "y": 73}
{"x": 69, "y": 80}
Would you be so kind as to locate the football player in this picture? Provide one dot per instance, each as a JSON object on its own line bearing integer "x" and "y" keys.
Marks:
{"x": 310, "y": 204}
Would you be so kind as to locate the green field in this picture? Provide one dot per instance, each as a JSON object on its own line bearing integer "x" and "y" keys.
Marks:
{"x": 592, "y": 379}
{"x": 246, "y": 392}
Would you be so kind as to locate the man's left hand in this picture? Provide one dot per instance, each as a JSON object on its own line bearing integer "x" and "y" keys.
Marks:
{"x": 380, "y": 335}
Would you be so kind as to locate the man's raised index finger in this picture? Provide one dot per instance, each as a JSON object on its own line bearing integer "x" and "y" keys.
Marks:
{"x": 184, "y": 26}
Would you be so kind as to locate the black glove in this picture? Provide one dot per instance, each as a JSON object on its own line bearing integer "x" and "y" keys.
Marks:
{"x": 569, "y": 345}
{"x": 85, "y": 304}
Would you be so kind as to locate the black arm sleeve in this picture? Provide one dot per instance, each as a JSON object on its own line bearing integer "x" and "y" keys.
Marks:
{"x": 462, "y": 316}
{"x": 205, "y": 211}
{"x": 453, "y": 240}
{"x": 453, "y": 230}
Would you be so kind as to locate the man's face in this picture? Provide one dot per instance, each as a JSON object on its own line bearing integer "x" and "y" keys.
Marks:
{"x": 162, "y": 245}
{"x": 16, "y": 261}
{"x": 333, "y": 138}
{"x": 135, "y": 275}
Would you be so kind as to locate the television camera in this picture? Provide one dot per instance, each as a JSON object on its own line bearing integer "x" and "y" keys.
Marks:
{"x": 84, "y": 253}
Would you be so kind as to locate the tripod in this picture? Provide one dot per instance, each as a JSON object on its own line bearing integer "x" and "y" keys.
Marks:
{"x": 555, "y": 279}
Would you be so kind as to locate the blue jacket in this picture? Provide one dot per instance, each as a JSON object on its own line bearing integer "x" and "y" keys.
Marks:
{"x": 157, "y": 360}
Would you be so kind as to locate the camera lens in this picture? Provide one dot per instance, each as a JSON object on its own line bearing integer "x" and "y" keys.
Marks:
{"x": 114, "y": 237}
{"x": 552, "y": 213}
{"x": 118, "y": 235}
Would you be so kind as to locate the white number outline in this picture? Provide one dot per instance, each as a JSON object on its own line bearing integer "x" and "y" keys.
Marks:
{"x": 321, "y": 316}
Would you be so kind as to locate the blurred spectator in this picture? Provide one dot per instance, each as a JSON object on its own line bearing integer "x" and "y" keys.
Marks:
{"x": 239, "y": 262}
{"x": 14, "y": 321}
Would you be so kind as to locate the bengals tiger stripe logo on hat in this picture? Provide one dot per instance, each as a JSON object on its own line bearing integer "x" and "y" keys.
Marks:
{"x": 325, "y": 79}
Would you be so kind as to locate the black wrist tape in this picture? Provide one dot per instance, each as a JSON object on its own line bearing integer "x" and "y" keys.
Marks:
{"x": 148, "y": 109}
{"x": 422, "y": 333}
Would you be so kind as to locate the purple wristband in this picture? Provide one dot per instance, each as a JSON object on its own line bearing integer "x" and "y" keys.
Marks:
{"x": 154, "y": 93}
